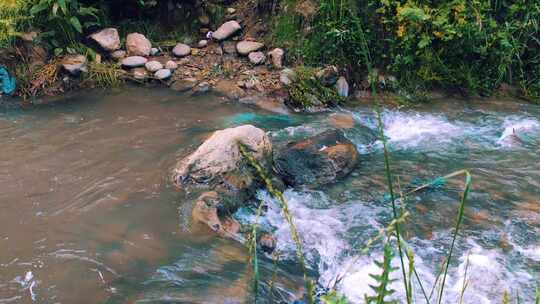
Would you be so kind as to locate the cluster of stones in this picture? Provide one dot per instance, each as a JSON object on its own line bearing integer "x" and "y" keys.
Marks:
{"x": 219, "y": 168}
{"x": 178, "y": 67}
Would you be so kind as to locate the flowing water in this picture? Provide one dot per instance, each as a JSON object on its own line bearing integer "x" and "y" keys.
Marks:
{"x": 89, "y": 216}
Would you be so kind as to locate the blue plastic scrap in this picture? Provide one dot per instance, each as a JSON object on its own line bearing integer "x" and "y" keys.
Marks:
{"x": 7, "y": 82}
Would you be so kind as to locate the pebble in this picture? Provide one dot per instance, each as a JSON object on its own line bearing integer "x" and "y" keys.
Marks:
{"x": 153, "y": 66}
{"x": 181, "y": 50}
{"x": 246, "y": 47}
{"x": 163, "y": 74}
{"x": 134, "y": 61}
{"x": 226, "y": 30}
{"x": 119, "y": 54}
{"x": 171, "y": 65}
{"x": 202, "y": 43}
{"x": 256, "y": 57}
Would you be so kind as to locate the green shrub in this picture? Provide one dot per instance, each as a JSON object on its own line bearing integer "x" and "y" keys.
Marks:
{"x": 13, "y": 20}
{"x": 470, "y": 46}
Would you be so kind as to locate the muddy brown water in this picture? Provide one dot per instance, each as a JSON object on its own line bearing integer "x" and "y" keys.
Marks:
{"x": 88, "y": 214}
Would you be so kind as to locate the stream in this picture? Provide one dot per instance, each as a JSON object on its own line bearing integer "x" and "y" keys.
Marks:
{"x": 89, "y": 214}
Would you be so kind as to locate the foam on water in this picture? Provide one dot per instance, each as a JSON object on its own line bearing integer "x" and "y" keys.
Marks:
{"x": 515, "y": 126}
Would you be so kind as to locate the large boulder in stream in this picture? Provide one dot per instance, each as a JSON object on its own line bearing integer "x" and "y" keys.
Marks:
{"x": 218, "y": 164}
{"x": 318, "y": 160}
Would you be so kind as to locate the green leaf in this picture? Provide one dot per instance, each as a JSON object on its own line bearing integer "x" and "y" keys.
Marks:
{"x": 38, "y": 8}
{"x": 55, "y": 9}
{"x": 76, "y": 24}
{"x": 63, "y": 6}
{"x": 58, "y": 51}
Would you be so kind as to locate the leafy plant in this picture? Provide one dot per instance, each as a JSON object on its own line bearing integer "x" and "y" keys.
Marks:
{"x": 64, "y": 21}
{"x": 382, "y": 289}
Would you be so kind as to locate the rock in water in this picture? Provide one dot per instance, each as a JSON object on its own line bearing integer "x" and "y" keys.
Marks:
{"x": 138, "y": 45}
{"x": 317, "y": 161}
{"x": 134, "y": 61}
{"x": 208, "y": 209}
{"x": 342, "y": 87}
{"x": 246, "y": 47}
{"x": 181, "y": 50}
{"x": 107, "y": 38}
{"x": 74, "y": 64}
{"x": 183, "y": 85}
{"x": 256, "y": 58}
{"x": 163, "y": 74}
{"x": 218, "y": 164}
{"x": 153, "y": 66}
{"x": 226, "y": 30}
{"x": 268, "y": 242}
{"x": 277, "y": 57}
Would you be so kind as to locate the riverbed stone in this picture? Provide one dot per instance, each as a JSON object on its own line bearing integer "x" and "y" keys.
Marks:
{"x": 226, "y": 30}
{"x": 268, "y": 242}
{"x": 276, "y": 55}
{"x": 218, "y": 164}
{"x": 318, "y": 160}
{"x": 134, "y": 61}
{"x": 342, "y": 87}
{"x": 256, "y": 58}
{"x": 138, "y": 45}
{"x": 108, "y": 39}
{"x": 183, "y": 85}
{"x": 163, "y": 74}
{"x": 153, "y": 66}
{"x": 181, "y": 50}
{"x": 208, "y": 209}
{"x": 74, "y": 64}
{"x": 229, "y": 89}
{"x": 118, "y": 54}
{"x": 245, "y": 47}
{"x": 171, "y": 65}
{"x": 154, "y": 51}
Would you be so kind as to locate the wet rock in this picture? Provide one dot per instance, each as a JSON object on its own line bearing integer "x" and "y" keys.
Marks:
{"x": 138, "y": 45}
{"x": 342, "y": 121}
{"x": 154, "y": 51}
{"x": 201, "y": 88}
{"x": 229, "y": 47}
{"x": 139, "y": 73}
{"x": 287, "y": 76}
{"x": 108, "y": 39}
{"x": 210, "y": 210}
{"x": 268, "y": 242}
{"x": 229, "y": 89}
{"x": 134, "y": 61}
{"x": 342, "y": 87}
{"x": 184, "y": 85}
{"x": 226, "y": 30}
{"x": 163, "y": 74}
{"x": 181, "y": 50}
{"x": 153, "y": 66}
{"x": 263, "y": 101}
{"x": 74, "y": 64}
{"x": 202, "y": 43}
{"x": 171, "y": 65}
{"x": 317, "y": 161}
{"x": 256, "y": 58}
{"x": 218, "y": 165}
{"x": 245, "y": 47}
{"x": 328, "y": 75}
{"x": 276, "y": 55}
{"x": 118, "y": 54}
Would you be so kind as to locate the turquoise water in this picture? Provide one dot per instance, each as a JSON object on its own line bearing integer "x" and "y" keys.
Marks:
{"x": 89, "y": 215}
